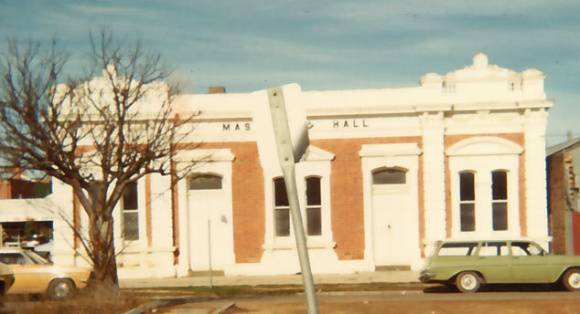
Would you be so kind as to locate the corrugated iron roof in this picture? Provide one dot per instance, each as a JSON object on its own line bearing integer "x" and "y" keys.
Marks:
{"x": 558, "y": 147}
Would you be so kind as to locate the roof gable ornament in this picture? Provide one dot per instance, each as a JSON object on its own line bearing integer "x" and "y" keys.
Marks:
{"x": 481, "y": 69}
{"x": 480, "y": 61}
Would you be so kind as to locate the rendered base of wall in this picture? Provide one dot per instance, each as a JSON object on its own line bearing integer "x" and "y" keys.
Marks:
{"x": 141, "y": 272}
{"x": 146, "y": 264}
{"x": 286, "y": 262}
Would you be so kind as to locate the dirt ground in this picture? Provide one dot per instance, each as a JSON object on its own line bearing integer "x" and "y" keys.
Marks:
{"x": 427, "y": 307}
{"x": 86, "y": 304}
{"x": 484, "y": 303}
{"x": 335, "y": 299}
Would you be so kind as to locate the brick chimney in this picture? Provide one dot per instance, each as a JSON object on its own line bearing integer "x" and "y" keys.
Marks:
{"x": 216, "y": 90}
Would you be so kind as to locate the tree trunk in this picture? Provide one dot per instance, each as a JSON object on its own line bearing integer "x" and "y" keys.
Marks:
{"x": 103, "y": 250}
{"x": 101, "y": 239}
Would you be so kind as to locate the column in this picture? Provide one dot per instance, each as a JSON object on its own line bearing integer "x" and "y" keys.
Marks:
{"x": 535, "y": 174}
{"x": 433, "y": 176}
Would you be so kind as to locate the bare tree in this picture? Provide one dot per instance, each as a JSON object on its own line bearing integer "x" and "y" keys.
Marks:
{"x": 95, "y": 134}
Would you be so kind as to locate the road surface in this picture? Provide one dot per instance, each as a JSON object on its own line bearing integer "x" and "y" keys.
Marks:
{"x": 431, "y": 302}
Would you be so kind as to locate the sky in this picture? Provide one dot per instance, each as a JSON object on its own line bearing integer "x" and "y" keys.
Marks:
{"x": 253, "y": 44}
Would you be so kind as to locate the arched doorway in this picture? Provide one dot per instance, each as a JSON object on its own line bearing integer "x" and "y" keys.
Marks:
{"x": 392, "y": 202}
{"x": 208, "y": 222}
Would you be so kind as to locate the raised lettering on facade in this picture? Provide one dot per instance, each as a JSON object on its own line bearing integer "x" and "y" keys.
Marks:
{"x": 350, "y": 123}
{"x": 228, "y": 127}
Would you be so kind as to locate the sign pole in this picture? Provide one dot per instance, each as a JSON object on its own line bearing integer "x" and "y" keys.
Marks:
{"x": 209, "y": 253}
{"x": 290, "y": 150}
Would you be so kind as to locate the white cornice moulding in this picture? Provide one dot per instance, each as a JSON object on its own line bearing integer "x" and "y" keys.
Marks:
{"x": 382, "y": 150}
{"x": 201, "y": 155}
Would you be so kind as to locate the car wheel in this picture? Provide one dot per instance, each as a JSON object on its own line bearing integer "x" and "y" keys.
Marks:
{"x": 60, "y": 288}
{"x": 571, "y": 279}
{"x": 468, "y": 282}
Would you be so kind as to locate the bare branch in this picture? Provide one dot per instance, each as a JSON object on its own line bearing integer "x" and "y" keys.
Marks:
{"x": 95, "y": 134}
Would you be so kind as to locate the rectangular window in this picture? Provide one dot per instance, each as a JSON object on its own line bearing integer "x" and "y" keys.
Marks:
{"x": 494, "y": 249}
{"x": 499, "y": 203}
{"x": 281, "y": 209}
{"x": 130, "y": 212}
{"x": 457, "y": 249}
{"x": 467, "y": 201}
{"x": 313, "y": 207}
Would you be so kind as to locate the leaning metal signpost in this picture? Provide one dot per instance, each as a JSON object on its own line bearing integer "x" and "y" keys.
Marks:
{"x": 291, "y": 134}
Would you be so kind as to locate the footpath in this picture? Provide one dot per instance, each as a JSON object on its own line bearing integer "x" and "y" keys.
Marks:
{"x": 282, "y": 280}
{"x": 190, "y": 294}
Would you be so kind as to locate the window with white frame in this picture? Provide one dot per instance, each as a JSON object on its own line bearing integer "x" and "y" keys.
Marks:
{"x": 467, "y": 200}
{"x": 131, "y": 212}
{"x": 313, "y": 187}
{"x": 313, "y": 207}
{"x": 281, "y": 209}
{"x": 313, "y": 211}
{"x": 484, "y": 186}
{"x": 499, "y": 203}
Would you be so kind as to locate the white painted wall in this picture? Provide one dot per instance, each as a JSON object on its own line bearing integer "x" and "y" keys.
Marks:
{"x": 480, "y": 99}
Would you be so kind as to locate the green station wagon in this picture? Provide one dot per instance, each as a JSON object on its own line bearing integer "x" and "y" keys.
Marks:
{"x": 470, "y": 264}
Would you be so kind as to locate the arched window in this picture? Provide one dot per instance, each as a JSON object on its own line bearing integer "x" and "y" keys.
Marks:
{"x": 499, "y": 202}
{"x": 467, "y": 200}
{"x": 205, "y": 181}
{"x": 281, "y": 208}
{"x": 313, "y": 206}
{"x": 390, "y": 176}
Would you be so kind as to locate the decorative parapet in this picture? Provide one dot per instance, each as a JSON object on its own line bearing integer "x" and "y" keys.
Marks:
{"x": 482, "y": 77}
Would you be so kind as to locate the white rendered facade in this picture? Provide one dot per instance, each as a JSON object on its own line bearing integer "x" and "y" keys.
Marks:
{"x": 382, "y": 175}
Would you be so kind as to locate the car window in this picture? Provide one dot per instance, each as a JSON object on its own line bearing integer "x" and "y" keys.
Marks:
{"x": 12, "y": 258}
{"x": 457, "y": 249}
{"x": 494, "y": 249}
{"x": 526, "y": 248}
{"x": 37, "y": 259}
{"x": 518, "y": 251}
{"x": 535, "y": 249}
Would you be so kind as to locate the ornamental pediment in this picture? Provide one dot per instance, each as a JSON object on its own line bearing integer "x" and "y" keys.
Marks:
{"x": 314, "y": 153}
{"x": 484, "y": 145}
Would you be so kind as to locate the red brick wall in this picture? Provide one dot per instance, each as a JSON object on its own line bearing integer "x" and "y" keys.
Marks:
{"x": 517, "y": 138}
{"x": 248, "y": 200}
{"x": 557, "y": 198}
{"x": 576, "y": 228}
{"x": 347, "y": 192}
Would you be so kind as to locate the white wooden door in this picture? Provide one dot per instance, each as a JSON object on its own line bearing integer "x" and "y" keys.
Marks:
{"x": 210, "y": 229}
{"x": 394, "y": 242}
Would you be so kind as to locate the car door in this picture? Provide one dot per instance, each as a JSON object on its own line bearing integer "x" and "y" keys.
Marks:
{"x": 494, "y": 261}
{"x": 28, "y": 276}
{"x": 529, "y": 265}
